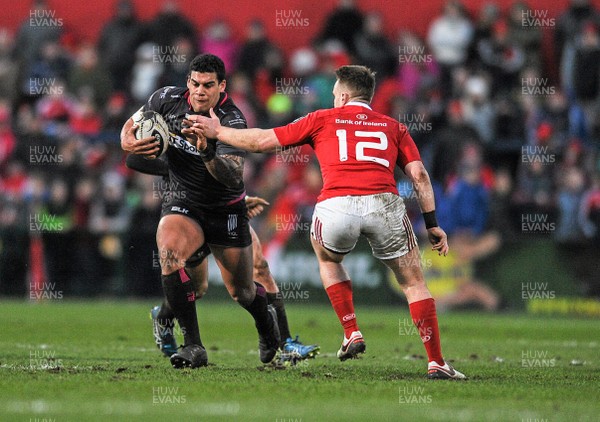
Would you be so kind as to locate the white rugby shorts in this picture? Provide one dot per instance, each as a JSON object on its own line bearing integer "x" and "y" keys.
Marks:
{"x": 338, "y": 222}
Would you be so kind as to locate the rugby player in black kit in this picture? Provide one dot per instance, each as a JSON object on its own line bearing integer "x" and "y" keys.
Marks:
{"x": 212, "y": 211}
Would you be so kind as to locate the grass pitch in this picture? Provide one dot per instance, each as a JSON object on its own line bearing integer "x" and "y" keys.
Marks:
{"x": 95, "y": 361}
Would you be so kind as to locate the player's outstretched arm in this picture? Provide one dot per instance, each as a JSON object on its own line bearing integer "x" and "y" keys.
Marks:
{"x": 148, "y": 147}
{"x": 253, "y": 140}
{"x": 419, "y": 177}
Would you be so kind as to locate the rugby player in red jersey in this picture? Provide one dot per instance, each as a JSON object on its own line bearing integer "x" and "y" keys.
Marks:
{"x": 358, "y": 149}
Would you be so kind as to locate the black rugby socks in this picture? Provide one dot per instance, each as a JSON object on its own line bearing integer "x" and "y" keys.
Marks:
{"x": 179, "y": 292}
{"x": 258, "y": 310}
{"x": 277, "y": 302}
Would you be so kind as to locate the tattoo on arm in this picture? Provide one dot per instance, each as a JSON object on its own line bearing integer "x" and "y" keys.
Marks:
{"x": 227, "y": 169}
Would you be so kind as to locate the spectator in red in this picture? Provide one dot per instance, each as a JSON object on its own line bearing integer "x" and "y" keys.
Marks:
{"x": 7, "y": 138}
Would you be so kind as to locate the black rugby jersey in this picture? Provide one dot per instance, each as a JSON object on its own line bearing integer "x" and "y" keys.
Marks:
{"x": 187, "y": 171}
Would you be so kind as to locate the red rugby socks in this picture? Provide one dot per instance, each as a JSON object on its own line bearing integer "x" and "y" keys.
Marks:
{"x": 340, "y": 295}
{"x": 425, "y": 319}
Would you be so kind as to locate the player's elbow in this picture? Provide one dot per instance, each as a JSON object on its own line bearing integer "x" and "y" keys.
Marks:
{"x": 417, "y": 173}
{"x": 267, "y": 142}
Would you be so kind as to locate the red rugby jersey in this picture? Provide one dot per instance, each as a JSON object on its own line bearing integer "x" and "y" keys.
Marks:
{"x": 357, "y": 148}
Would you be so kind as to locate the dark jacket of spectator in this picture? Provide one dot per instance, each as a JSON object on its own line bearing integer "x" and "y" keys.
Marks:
{"x": 120, "y": 37}
{"x": 570, "y": 23}
{"x": 343, "y": 24}
{"x": 587, "y": 65}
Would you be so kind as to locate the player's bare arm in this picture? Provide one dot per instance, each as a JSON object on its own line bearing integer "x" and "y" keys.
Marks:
{"x": 147, "y": 147}
{"x": 419, "y": 177}
{"x": 227, "y": 169}
{"x": 253, "y": 140}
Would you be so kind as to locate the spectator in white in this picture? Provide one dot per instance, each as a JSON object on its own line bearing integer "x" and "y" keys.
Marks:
{"x": 449, "y": 38}
{"x": 146, "y": 73}
{"x": 477, "y": 108}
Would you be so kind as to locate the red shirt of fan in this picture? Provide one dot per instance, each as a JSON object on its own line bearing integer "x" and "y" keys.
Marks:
{"x": 357, "y": 148}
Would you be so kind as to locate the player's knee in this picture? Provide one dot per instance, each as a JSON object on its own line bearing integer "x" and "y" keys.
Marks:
{"x": 243, "y": 295}
{"x": 412, "y": 281}
{"x": 261, "y": 269}
{"x": 170, "y": 258}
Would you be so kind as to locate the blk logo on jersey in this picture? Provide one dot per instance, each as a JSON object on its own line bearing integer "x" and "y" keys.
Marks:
{"x": 362, "y": 116}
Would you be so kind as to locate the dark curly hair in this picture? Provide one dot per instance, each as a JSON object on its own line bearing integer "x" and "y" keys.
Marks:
{"x": 208, "y": 63}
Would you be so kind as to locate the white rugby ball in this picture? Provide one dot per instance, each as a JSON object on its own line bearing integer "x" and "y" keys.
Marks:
{"x": 152, "y": 124}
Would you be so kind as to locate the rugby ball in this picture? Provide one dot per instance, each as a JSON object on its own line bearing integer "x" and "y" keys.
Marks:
{"x": 152, "y": 124}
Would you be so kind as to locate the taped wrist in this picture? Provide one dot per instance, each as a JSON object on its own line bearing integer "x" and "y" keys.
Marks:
{"x": 430, "y": 220}
{"x": 208, "y": 153}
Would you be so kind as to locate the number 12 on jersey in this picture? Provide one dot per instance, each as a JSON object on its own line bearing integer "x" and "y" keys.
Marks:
{"x": 362, "y": 145}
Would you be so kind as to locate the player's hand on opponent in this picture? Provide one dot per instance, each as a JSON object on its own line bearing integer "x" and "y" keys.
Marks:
{"x": 439, "y": 240}
{"x": 148, "y": 147}
{"x": 255, "y": 205}
{"x": 193, "y": 134}
{"x": 209, "y": 126}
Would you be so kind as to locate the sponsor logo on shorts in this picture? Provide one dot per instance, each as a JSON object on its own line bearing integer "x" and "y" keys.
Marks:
{"x": 232, "y": 224}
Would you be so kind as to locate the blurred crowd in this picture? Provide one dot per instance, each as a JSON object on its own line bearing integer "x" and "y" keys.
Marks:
{"x": 510, "y": 132}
